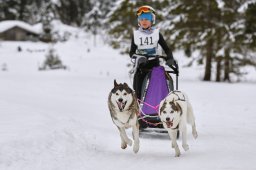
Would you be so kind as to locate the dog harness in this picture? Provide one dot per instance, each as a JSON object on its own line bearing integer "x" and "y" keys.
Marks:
{"x": 175, "y": 93}
{"x": 156, "y": 108}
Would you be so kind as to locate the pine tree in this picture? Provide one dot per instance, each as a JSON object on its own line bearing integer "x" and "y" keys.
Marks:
{"x": 47, "y": 17}
{"x": 92, "y": 21}
{"x": 232, "y": 47}
{"x": 10, "y": 9}
{"x": 2, "y": 12}
{"x": 250, "y": 31}
{"x": 121, "y": 21}
{"x": 71, "y": 12}
{"x": 192, "y": 26}
{"x": 24, "y": 10}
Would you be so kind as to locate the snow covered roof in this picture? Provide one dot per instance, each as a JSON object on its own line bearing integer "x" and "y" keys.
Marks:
{"x": 8, "y": 24}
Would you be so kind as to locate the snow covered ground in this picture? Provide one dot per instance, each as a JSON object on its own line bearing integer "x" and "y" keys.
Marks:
{"x": 56, "y": 120}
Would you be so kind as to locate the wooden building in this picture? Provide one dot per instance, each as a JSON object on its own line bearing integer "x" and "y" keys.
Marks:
{"x": 18, "y": 31}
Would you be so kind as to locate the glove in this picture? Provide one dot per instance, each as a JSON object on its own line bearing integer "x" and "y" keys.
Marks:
{"x": 142, "y": 60}
{"x": 170, "y": 62}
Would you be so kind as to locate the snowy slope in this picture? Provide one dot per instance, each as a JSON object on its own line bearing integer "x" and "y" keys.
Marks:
{"x": 56, "y": 120}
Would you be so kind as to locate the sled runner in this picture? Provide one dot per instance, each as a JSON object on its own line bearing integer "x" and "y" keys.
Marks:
{"x": 156, "y": 86}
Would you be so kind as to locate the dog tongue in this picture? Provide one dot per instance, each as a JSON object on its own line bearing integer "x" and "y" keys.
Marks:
{"x": 169, "y": 124}
{"x": 120, "y": 105}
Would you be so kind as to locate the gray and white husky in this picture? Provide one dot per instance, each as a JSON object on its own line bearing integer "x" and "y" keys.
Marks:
{"x": 175, "y": 111}
{"x": 123, "y": 107}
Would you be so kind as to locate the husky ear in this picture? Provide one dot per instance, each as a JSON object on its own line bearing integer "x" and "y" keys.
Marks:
{"x": 163, "y": 105}
{"x": 181, "y": 105}
{"x": 115, "y": 83}
{"x": 125, "y": 84}
{"x": 173, "y": 102}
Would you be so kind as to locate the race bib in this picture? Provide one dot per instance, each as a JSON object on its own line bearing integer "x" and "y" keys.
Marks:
{"x": 146, "y": 41}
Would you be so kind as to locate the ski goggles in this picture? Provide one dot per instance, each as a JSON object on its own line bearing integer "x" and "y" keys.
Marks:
{"x": 144, "y": 10}
{"x": 147, "y": 16}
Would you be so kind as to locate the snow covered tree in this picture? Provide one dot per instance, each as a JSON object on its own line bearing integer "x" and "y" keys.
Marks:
{"x": 233, "y": 48}
{"x": 34, "y": 11}
{"x": 121, "y": 21}
{"x": 71, "y": 12}
{"x": 92, "y": 21}
{"x": 105, "y": 6}
{"x": 191, "y": 26}
{"x": 215, "y": 29}
{"x": 2, "y": 12}
{"x": 9, "y": 9}
{"x": 250, "y": 27}
{"x": 24, "y": 10}
{"x": 228, "y": 38}
{"x": 47, "y": 17}
{"x": 52, "y": 60}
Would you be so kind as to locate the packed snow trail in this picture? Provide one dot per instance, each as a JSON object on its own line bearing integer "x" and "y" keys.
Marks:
{"x": 60, "y": 120}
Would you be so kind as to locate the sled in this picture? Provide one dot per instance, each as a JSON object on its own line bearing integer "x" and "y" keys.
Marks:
{"x": 157, "y": 84}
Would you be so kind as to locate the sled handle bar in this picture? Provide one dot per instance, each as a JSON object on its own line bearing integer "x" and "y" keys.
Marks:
{"x": 145, "y": 58}
{"x": 174, "y": 67}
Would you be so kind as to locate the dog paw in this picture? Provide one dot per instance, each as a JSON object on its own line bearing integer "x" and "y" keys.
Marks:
{"x": 123, "y": 145}
{"x": 194, "y": 133}
{"x": 177, "y": 154}
{"x": 136, "y": 148}
{"x": 177, "y": 151}
{"x": 185, "y": 147}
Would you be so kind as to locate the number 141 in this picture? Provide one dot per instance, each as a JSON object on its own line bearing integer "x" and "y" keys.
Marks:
{"x": 146, "y": 41}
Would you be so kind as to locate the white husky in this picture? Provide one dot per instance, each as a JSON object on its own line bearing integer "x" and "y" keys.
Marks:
{"x": 175, "y": 111}
{"x": 123, "y": 107}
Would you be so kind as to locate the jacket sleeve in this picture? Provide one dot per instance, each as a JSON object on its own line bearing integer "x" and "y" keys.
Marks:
{"x": 133, "y": 47}
{"x": 165, "y": 47}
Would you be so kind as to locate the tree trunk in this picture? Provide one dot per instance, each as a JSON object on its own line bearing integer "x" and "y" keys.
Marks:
{"x": 218, "y": 69}
{"x": 208, "y": 64}
{"x": 226, "y": 66}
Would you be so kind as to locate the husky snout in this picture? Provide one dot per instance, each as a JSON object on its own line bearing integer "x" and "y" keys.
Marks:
{"x": 169, "y": 122}
{"x": 121, "y": 104}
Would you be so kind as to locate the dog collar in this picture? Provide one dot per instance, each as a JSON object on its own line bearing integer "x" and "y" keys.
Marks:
{"x": 176, "y": 127}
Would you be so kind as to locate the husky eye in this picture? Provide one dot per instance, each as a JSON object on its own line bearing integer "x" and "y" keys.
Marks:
{"x": 125, "y": 94}
{"x": 164, "y": 112}
{"x": 172, "y": 111}
{"x": 117, "y": 94}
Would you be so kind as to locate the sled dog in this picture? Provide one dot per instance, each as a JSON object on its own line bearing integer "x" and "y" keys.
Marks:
{"x": 123, "y": 107}
{"x": 175, "y": 111}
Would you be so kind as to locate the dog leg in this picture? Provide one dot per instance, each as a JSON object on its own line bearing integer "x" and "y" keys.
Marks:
{"x": 173, "y": 135}
{"x": 184, "y": 139}
{"x": 125, "y": 137}
{"x": 123, "y": 143}
{"x": 194, "y": 132}
{"x": 135, "y": 133}
{"x": 191, "y": 120}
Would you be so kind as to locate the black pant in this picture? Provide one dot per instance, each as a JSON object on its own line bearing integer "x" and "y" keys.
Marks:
{"x": 141, "y": 73}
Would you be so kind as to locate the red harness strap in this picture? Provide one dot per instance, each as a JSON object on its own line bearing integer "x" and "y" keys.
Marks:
{"x": 155, "y": 108}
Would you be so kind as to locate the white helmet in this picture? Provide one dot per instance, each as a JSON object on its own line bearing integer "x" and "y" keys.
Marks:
{"x": 147, "y": 9}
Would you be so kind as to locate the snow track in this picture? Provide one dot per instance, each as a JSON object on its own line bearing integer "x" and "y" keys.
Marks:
{"x": 57, "y": 120}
